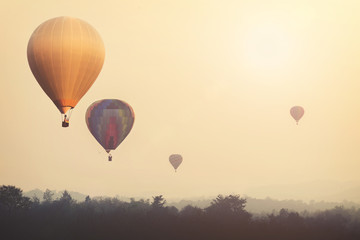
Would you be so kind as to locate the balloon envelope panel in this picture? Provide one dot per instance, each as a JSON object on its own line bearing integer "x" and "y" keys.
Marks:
{"x": 110, "y": 121}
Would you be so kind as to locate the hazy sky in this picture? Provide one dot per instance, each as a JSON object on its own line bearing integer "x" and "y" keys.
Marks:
{"x": 211, "y": 80}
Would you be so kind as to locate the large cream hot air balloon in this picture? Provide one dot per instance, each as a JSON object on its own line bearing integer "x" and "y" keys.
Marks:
{"x": 297, "y": 112}
{"x": 175, "y": 160}
{"x": 65, "y": 55}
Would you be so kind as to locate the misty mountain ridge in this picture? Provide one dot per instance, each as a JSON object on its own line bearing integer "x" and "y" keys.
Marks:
{"x": 57, "y": 194}
{"x": 320, "y": 190}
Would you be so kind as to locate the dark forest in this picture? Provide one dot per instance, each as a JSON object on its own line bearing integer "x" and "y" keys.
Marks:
{"x": 109, "y": 218}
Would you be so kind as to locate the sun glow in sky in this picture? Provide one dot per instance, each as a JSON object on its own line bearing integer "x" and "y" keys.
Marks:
{"x": 266, "y": 46}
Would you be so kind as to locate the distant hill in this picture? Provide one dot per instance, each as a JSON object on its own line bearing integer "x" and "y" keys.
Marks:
{"x": 320, "y": 190}
{"x": 269, "y": 205}
{"x": 57, "y": 194}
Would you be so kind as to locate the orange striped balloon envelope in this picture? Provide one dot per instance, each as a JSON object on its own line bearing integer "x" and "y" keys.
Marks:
{"x": 65, "y": 55}
{"x": 297, "y": 112}
{"x": 175, "y": 160}
{"x": 110, "y": 121}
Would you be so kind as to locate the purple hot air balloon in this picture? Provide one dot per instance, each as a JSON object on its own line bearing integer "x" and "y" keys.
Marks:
{"x": 175, "y": 160}
{"x": 297, "y": 112}
{"x": 110, "y": 121}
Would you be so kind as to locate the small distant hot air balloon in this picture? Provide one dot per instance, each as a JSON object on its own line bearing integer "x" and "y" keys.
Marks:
{"x": 175, "y": 160}
{"x": 65, "y": 55}
{"x": 110, "y": 121}
{"x": 297, "y": 112}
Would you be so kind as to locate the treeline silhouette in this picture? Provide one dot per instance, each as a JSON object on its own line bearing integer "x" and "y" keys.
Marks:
{"x": 110, "y": 218}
